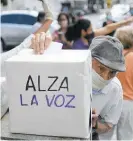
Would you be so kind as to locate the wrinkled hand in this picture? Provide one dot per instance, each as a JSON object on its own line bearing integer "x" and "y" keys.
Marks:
{"x": 41, "y": 42}
{"x": 94, "y": 118}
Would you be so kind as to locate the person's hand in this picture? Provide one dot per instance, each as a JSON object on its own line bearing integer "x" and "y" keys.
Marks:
{"x": 94, "y": 118}
{"x": 41, "y": 42}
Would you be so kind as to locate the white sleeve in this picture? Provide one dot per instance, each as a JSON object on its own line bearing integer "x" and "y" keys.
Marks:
{"x": 4, "y": 56}
{"x": 47, "y": 10}
{"x": 112, "y": 111}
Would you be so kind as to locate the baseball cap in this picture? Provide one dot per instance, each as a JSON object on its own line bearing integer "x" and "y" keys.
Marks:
{"x": 108, "y": 51}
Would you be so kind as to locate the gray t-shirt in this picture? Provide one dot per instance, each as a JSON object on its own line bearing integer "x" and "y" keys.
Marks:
{"x": 109, "y": 104}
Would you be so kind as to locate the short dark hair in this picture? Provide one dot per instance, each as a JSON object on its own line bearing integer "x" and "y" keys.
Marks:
{"x": 74, "y": 31}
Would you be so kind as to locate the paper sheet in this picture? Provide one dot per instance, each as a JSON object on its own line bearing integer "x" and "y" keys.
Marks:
{"x": 54, "y": 47}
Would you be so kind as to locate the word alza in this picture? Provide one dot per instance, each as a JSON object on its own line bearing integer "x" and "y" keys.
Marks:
{"x": 31, "y": 85}
{"x": 58, "y": 100}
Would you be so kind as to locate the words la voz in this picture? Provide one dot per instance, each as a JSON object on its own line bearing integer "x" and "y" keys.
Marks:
{"x": 59, "y": 100}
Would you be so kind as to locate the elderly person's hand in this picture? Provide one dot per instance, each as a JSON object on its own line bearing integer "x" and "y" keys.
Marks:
{"x": 40, "y": 42}
{"x": 94, "y": 118}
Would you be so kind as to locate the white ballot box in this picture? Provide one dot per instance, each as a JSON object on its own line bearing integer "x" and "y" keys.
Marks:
{"x": 50, "y": 94}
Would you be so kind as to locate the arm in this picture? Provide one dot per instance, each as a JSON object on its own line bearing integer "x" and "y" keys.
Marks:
{"x": 29, "y": 40}
{"x": 111, "y": 113}
{"x": 40, "y": 41}
{"x": 100, "y": 127}
{"x": 48, "y": 18}
{"x": 111, "y": 27}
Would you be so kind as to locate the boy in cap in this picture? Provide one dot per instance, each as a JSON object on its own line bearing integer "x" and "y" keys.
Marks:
{"x": 107, "y": 60}
{"x": 125, "y": 124}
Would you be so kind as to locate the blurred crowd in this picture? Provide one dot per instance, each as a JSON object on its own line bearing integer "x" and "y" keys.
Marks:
{"x": 78, "y": 33}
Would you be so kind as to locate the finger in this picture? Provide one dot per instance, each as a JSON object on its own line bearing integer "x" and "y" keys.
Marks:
{"x": 94, "y": 116}
{"x": 93, "y": 111}
{"x": 48, "y": 40}
{"x": 37, "y": 43}
{"x": 32, "y": 42}
{"x": 42, "y": 42}
{"x": 93, "y": 124}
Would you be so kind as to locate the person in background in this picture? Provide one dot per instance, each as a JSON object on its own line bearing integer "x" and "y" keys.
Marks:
{"x": 81, "y": 33}
{"x": 107, "y": 60}
{"x": 125, "y": 124}
{"x": 40, "y": 20}
{"x": 59, "y": 35}
{"x": 109, "y": 20}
